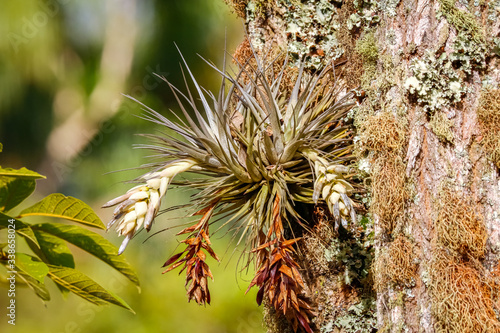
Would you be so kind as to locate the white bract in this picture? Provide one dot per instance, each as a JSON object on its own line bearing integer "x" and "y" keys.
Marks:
{"x": 140, "y": 205}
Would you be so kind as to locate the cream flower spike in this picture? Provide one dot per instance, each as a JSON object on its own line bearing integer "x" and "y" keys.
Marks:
{"x": 140, "y": 205}
{"x": 332, "y": 187}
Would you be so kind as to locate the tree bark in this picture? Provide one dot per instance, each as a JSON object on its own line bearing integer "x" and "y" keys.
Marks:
{"x": 427, "y": 75}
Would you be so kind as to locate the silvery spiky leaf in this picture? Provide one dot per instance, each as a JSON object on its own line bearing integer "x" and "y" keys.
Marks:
{"x": 260, "y": 149}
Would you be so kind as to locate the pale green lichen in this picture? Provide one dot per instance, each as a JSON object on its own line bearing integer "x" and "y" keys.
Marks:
{"x": 493, "y": 11}
{"x": 496, "y": 46}
{"x": 437, "y": 81}
{"x": 464, "y": 3}
{"x": 412, "y": 47}
{"x": 390, "y": 36}
{"x": 364, "y": 165}
{"x": 254, "y": 9}
{"x": 360, "y": 317}
{"x": 461, "y": 20}
{"x": 488, "y": 82}
{"x": 311, "y": 28}
{"x": 474, "y": 41}
{"x": 441, "y": 126}
{"x": 389, "y": 6}
{"x": 351, "y": 255}
{"x": 434, "y": 82}
{"x": 444, "y": 33}
{"x": 367, "y": 48}
{"x": 467, "y": 53}
{"x": 366, "y": 14}
{"x": 397, "y": 300}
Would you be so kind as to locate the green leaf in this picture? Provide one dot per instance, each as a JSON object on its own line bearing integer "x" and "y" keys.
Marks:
{"x": 31, "y": 266}
{"x": 69, "y": 208}
{"x": 1, "y": 147}
{"x": 13, "y": 191}
{"x": 21, "y": 228}
{"x": 53, "y": 250}
{"x": 30, "y": 271}
{"x": 84, "y": 287}
{"x": 37, "y": 286}
{"x": 15, "y": 186}
{"x": 93, "y": 243}
{"x": 21, "y": 173}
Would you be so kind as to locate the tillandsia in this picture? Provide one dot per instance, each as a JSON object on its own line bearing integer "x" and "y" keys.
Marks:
{"x": 262, "y": 151}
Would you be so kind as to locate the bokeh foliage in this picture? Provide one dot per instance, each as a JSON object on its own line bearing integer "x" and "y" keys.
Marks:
{"x": 63, "y": 67}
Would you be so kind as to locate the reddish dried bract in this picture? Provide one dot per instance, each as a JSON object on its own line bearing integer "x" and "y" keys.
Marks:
{"x": 197, "y": 271}
{"x": 279, "y": 278}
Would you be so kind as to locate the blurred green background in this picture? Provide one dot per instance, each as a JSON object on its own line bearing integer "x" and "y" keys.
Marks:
{"x": 64, "y": 65}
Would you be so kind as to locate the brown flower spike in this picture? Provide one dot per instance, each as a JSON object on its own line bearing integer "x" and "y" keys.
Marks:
{"x": 197, "y": 271}
{"x": 279, "y": 276}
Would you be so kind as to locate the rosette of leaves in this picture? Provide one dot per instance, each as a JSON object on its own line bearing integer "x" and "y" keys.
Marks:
{"x": 261, "y": 153}
{"x": 51, "y": 257}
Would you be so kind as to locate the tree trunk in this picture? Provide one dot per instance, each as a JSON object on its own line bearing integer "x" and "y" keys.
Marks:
{"x": 428, "y": 145}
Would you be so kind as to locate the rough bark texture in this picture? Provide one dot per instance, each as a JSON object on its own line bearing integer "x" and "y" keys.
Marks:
{"x": 428, "y": 75}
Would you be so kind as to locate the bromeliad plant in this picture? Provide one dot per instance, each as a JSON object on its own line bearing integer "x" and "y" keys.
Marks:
{"x": 262, "y": 153}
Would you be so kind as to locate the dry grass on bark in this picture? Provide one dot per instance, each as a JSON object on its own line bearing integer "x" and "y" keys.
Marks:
{"x": 489, "y": 119}
{"x": 383, "y": 134}
{"x": 458, "y": 226}
{"x": 494, "y": 282}
{"x": 243, "y": 56}
{"x": 382, "y": 138}
{"x": 461, "y": 297}
{"x": 316, "y": 244}
{"x": 239, "y": 6}
{"x": 388, "y": 191}
{"x": 396, "y": 265}
{"x": 353, "y": 69}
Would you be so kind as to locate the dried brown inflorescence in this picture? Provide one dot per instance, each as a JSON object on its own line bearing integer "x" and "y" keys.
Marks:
{"x": 461, "y": 298}
{"x": 197, "y": 271}
{"x": 279, "y": 278}
{"x": 458, "y": 226}
{"x": 489, "y": 119}
{"x": 396, "y": 265}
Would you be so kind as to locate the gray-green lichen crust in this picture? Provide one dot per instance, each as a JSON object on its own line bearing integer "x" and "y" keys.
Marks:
{"x": 310, "y": 29}
{"x": 360, "y": 317}
{"x": 434, "y": 82}
{"x": 468, "y": 54}
{"x": 365, "y": 15}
